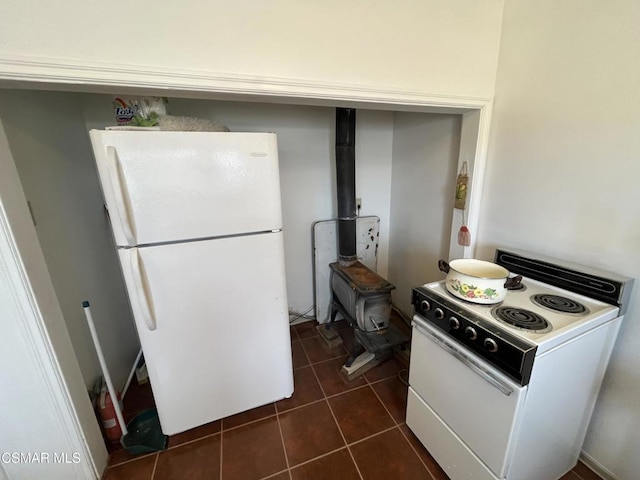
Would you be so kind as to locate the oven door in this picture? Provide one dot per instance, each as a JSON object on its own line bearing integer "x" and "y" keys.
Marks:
{"x": 463, "y": 410}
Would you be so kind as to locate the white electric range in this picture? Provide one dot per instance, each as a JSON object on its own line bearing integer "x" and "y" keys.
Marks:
{"x": 507, "y": 390}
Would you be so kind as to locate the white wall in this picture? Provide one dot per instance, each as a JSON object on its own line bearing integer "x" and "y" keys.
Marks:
{"x": 47, "y": 136}
{"x": 374, "y": 155}
{"x": 430, "y": 46}
{"x": 562, "y": 171}
{"x": 425, "y": 158}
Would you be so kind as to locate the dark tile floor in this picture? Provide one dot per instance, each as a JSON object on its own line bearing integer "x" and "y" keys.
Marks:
{"x": 329, "y": 429}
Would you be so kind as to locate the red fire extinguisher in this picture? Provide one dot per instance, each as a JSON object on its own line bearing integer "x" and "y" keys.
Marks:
{"x": 107, "y": 413}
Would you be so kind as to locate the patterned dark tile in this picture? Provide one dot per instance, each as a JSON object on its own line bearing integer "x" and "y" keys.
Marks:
{"x": 398, "y": 461}
{"x": 140, "y": 469}
{"x": 360, "y": 414}
{"x": 249, "y": 416}
{"x": 252, "y": 451}
{"x": 198, "y": 460}
{"x": 332, "y": 381}
{"x": 299, "y": 356}
{"x": 120, "y": 455}
{"x": 309, "y": 432}
{"x": 293, "y": 334}
{"x": 393, "y": 394}
{"x": 306, "y": 329}
{"x": 336, "y": 466}
{"x": 436, "y": 471}
{"x": 279, "y": 476}
{"x": 318, "y": 351}
{"x": 570, "y": 476}
{"x": 195, "y": 433}
{"x": 306, "y": 390}
{"x": 585, "y": 473}
{"x": 386, "y": 369}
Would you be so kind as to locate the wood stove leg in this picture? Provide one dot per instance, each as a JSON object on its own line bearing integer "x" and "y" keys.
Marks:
{"x": 334, "y": 313}
{"x": 329, "y": 335}
{"x": 357, "y": 350}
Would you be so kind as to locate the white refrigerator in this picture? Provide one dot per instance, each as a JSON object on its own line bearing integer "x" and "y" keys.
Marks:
{"x": 197, "y": 222}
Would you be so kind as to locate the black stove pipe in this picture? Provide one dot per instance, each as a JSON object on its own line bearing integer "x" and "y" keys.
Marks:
{"x": 346, "y": 184}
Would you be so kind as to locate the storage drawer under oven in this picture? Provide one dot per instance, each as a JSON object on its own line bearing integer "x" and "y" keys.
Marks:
{"x": 477, "y": 402}
{"x": 455, "y": 458}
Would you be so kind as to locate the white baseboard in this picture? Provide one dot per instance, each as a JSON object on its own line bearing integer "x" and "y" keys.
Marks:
{"x": 596, "y": 466}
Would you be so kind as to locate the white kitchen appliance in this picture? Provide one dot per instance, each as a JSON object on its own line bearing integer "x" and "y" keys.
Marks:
{"x": 197, "y": 222}
{"x": 506, "y": 391}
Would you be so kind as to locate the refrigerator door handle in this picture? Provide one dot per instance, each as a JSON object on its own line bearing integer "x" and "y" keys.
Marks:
{"x": 143, "y": 293}
{"x": 121, "y": 196}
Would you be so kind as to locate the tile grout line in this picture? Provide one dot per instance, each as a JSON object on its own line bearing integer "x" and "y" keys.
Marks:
{"x": 273, "y": 475}
{"x": 289, "y": 410}
{"x": 397, "y": 423}
{"x": 343, "y": 438}
{"x": 155, "y": 465}
{"x": 370, "y": 385}
{"x": 417, "y": 454}
{"x": 326, "y": 359}
{"x": 311, "y": 460}
{"x": 371, "y": 436}
{"x": 221, "y": 442}
{"x": 577, "y": 474}
{"x": 196, "y": 439}
{"x": 304, "y": 350}
{"x": 336, "y": 422}
{"x": 129, "y": 460}
{"x": 284, "y": 447}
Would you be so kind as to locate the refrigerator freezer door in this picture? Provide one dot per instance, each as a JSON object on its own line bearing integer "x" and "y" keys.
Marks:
{"x": 172, "y": 186}
{"x": 219, "y": 341}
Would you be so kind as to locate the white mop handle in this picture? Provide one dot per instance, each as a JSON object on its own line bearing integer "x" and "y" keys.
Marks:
{"x": 105, "y": 371}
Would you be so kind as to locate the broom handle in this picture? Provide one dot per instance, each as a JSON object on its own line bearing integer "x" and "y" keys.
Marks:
{"x": 105, "y": 371}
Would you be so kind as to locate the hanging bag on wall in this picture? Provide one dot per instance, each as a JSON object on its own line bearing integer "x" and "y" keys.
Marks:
{"x": 464, "y": 236}
{"x": 461, "y": 187}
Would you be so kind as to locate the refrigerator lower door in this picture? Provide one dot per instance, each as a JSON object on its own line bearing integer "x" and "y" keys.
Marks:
{"x": 213, "y": 322}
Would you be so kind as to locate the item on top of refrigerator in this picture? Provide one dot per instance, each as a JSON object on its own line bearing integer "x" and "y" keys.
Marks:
{"x": 123, "y": 111}
{"x": 139, "y": 112}
{"x": 190, "y": 124}
{"x": 148, "y": 110}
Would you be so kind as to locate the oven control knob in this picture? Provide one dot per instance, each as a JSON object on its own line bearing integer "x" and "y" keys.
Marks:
{"x": 471, "y": 333}
{"x": 439, "y": 313}
{"x": 454, "y": 323}
{"x": 491, "y": 345}
{"x": 425, "y": 305}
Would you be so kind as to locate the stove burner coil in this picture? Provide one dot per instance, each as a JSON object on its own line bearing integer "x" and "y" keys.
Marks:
{"x": 559, "y": 304}
{"x": 522, "y": 319}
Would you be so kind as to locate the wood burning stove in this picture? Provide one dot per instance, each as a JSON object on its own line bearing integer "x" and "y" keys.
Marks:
{"x": 362, "y": 296}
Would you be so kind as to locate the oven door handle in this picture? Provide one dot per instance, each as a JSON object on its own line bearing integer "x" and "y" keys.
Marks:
{"x": 473, "y": 366}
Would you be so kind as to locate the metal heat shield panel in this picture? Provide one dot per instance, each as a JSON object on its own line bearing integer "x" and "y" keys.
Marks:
{"x": 325, "y": 252}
